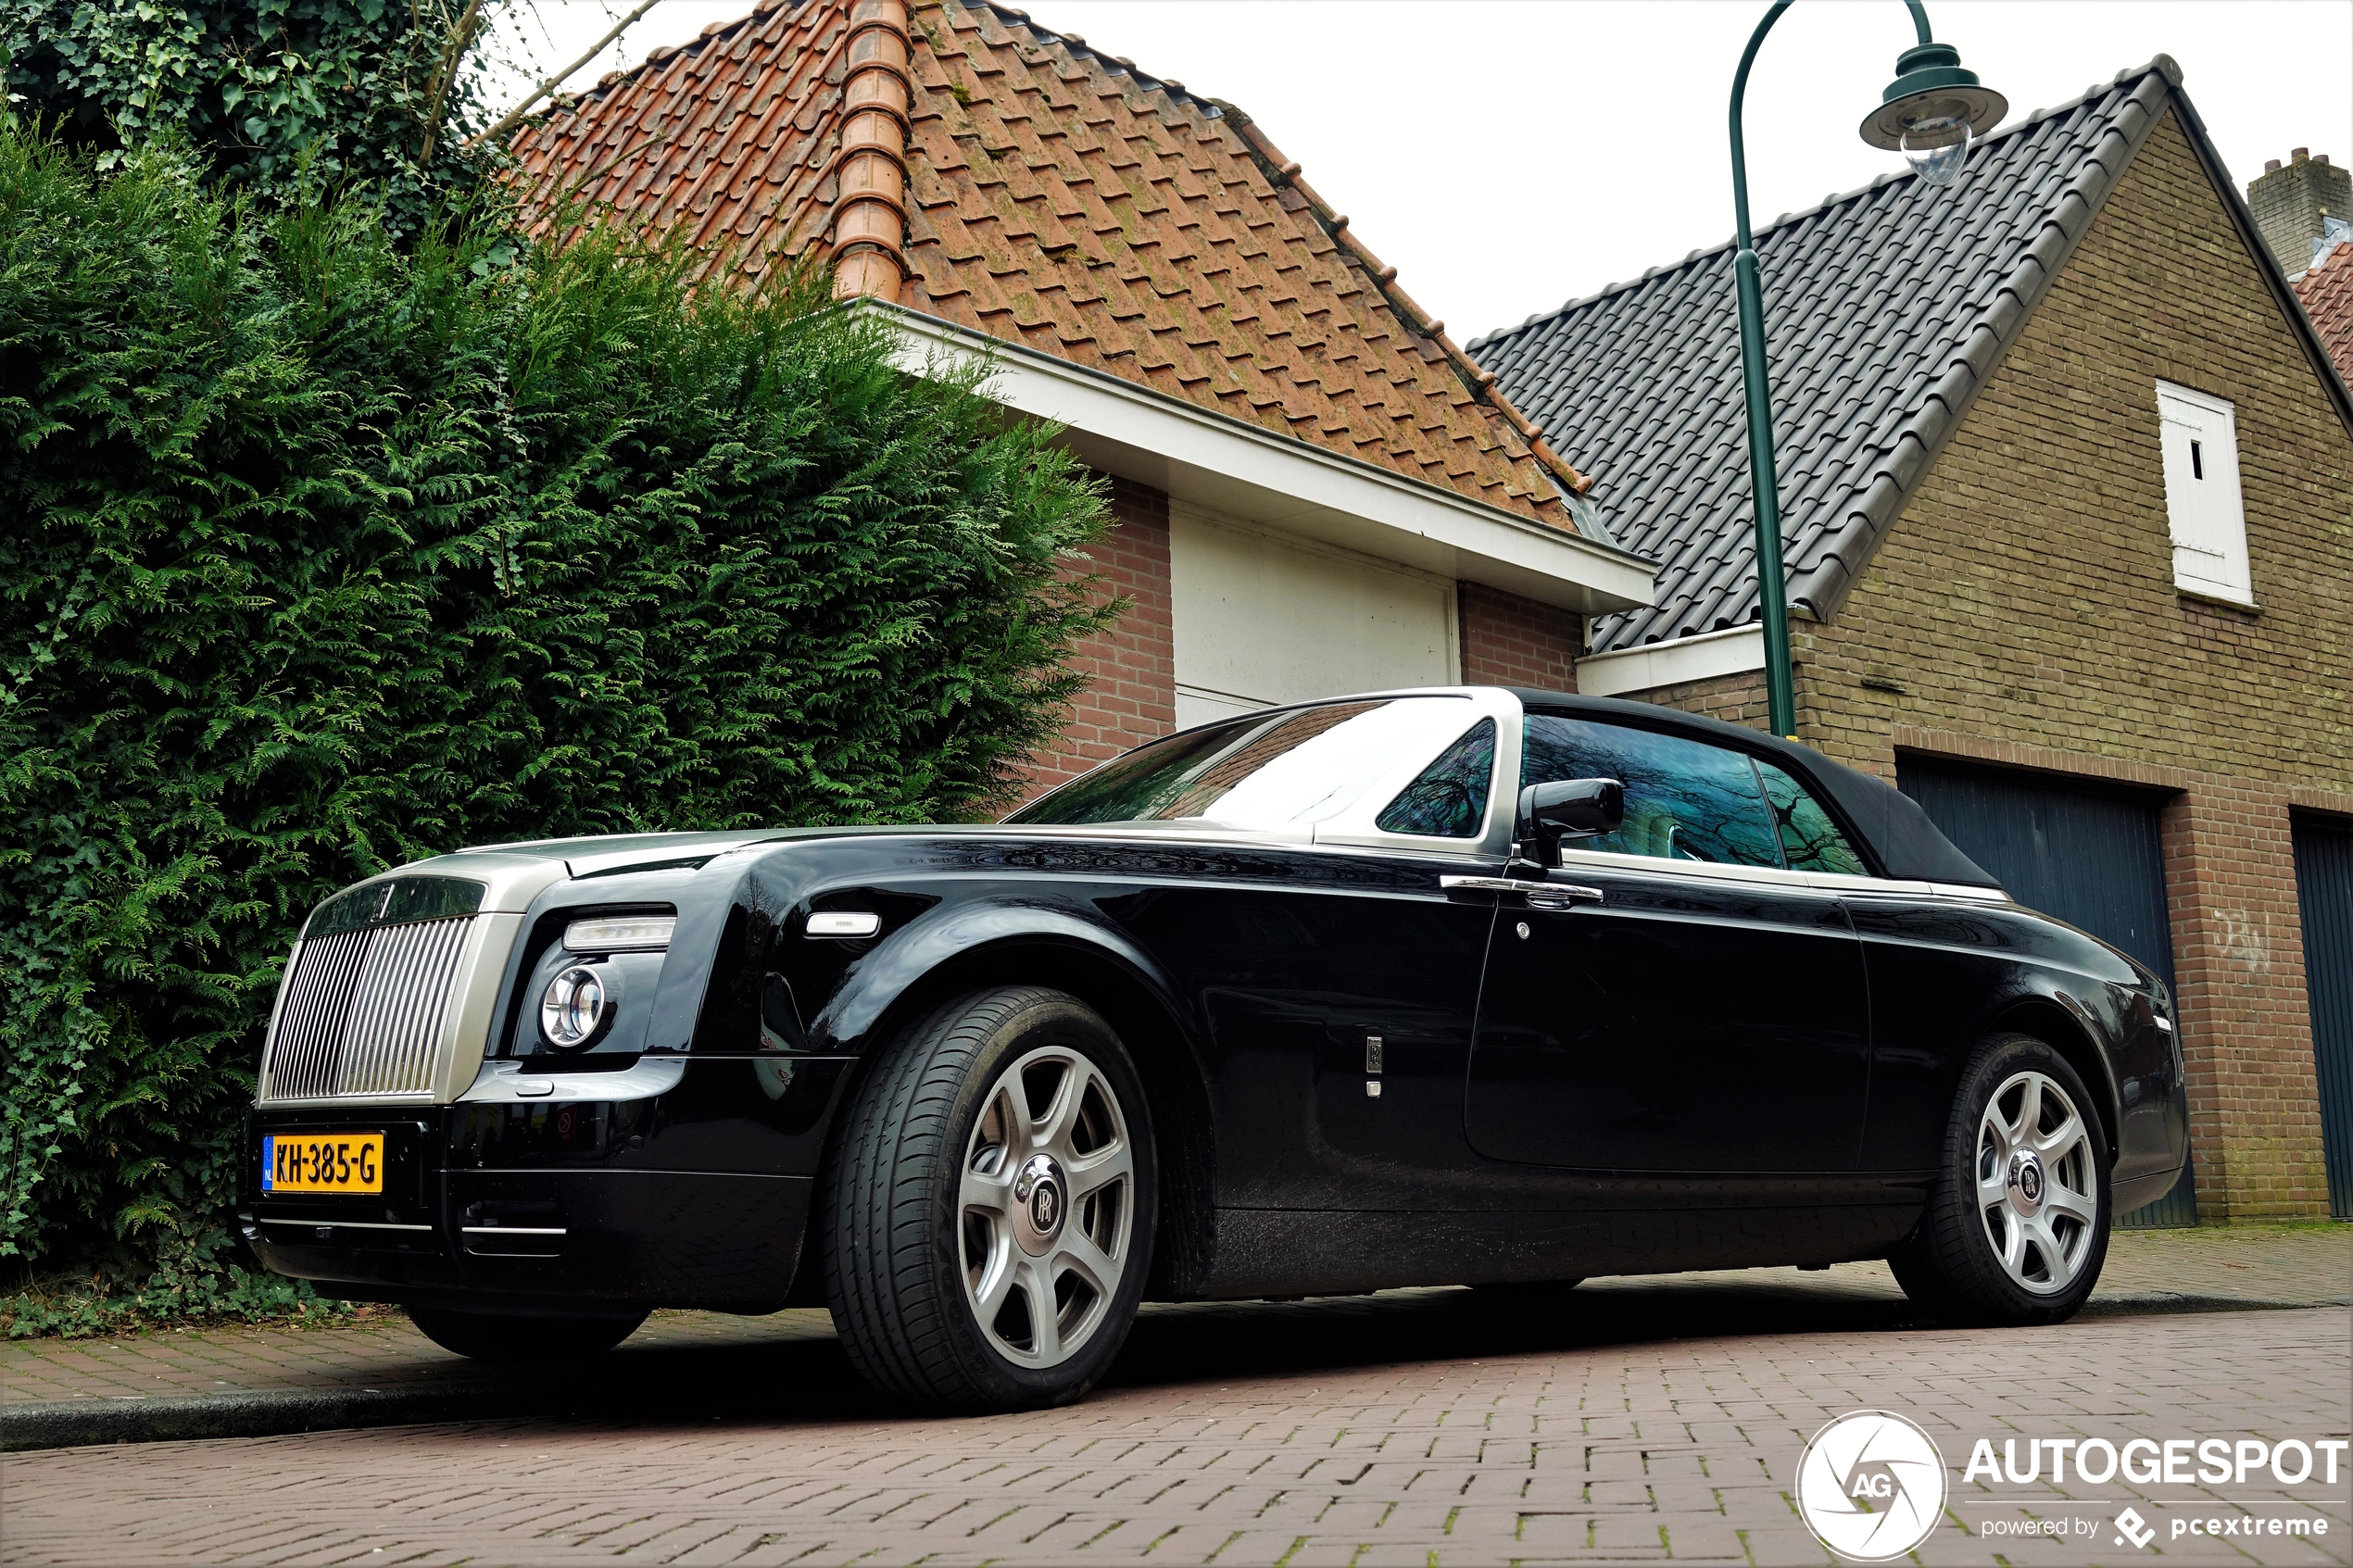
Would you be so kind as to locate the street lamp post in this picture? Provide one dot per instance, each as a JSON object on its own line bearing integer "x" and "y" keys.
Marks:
{"x": 1930, "y": 113}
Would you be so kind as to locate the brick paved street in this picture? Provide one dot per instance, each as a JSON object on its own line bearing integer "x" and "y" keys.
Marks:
{"x": 1631, "y": 1420}
{"x": 2308, "y": 1265}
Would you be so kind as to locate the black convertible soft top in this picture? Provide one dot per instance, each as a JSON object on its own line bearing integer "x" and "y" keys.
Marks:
{"x": 1895, "y": 832}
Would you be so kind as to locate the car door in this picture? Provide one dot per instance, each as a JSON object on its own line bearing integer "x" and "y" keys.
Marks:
{"x": 1674, "y": 997}
{"x": 1335, "y": 986}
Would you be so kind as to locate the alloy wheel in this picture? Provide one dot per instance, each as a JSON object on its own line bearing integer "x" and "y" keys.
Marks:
{"x": 2037, "y": 1191}
{"x": 1046, "y": 1207}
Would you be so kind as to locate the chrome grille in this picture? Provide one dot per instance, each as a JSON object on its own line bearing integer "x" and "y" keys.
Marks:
{"x": 363, "y": 1012}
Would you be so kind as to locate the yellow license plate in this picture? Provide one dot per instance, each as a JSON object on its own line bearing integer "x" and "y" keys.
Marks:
{"x": 322, "y": 1163}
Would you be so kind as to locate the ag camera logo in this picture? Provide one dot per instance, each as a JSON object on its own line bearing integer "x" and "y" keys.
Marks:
{"x": 1871, "y": 1486}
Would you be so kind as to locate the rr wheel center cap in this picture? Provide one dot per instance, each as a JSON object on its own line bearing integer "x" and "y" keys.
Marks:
{"x": 2026, "y": 1184}
{"x": 1041, "y": 1201}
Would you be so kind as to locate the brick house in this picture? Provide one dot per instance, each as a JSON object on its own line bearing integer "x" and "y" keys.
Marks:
{"x": 1317, "y": 491}
{"x": 2068, "y": 492}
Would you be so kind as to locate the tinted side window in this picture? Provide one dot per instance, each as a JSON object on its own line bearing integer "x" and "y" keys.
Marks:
{"x": 1449, "y": 801}
{"x": 1810, "y": 841}
{"x": 1684, "y": 800}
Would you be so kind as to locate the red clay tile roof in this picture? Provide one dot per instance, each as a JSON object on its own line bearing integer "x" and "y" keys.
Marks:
{"x": 2327, "y": 293}
{"x": 1071, "y": 203}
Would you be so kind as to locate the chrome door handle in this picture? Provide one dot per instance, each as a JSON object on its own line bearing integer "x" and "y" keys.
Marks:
{"x": 1541, "y": 894}
{"x": 1481, "y": 884}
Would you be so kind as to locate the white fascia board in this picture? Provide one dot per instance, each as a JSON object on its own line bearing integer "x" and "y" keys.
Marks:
{"x": 1730, "y": 652}
{"x": 1222, "y": 464}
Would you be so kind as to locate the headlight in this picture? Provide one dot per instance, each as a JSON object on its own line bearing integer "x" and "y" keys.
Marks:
{"x": 625, "y": 934}
{"x": 576, "y": 1008}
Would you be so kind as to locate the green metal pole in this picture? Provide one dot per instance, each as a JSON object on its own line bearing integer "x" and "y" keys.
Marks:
{"x": 1772, "y": 589}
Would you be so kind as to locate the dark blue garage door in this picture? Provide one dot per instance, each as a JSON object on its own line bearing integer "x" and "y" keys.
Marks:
{"x": 2324, "y": 891}
{"x": 2089, "y": 856}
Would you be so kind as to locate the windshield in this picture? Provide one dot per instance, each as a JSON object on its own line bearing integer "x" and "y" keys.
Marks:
{"x": 1269, "y": 770}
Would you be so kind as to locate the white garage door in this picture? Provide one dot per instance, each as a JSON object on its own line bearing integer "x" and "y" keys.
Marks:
{"x": 1264, "y": 617}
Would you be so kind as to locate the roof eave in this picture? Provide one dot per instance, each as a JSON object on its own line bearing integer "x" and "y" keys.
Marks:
{"x": 1223, "y": 464}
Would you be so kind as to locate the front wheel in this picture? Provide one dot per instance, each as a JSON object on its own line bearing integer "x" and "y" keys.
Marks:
{"x": 2016, "y": 1228}
{"x": 987, "y": 1214}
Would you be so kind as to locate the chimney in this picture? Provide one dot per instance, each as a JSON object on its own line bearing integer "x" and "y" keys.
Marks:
{"x": 870, "y": 212}
{"x": 2292, "y": 202}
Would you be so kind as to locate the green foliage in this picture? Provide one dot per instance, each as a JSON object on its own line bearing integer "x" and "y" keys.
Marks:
{"x": 77, "y": 1308}
{"x": 326, "y": 552}
{"x": 284, "y": 97}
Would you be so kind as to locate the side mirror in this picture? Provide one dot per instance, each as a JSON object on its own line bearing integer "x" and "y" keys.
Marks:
{"x": 1568, "y": 808}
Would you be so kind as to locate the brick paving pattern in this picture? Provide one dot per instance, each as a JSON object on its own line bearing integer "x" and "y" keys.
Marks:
{"x": 1631, "y": 1419}
{"x": 1653, "y": 1449}
{"x": 2294, "y": 1265}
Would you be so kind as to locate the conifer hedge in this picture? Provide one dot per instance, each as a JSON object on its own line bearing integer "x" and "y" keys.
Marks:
{"x": 324, "y": 553}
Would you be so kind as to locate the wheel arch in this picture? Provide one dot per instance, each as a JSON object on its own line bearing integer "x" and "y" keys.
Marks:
{"x": 2060, "y": 1027}
{"x": 1140, "y": 1008}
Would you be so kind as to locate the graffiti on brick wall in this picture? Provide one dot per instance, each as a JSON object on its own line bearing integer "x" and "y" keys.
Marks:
{"x": 2244, "y": 940}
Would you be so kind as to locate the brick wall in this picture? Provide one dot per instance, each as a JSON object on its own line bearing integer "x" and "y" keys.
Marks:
{"x": 2023, "y": 610}
{"x": 1508, "y": 641}
{"x": 1132, "y": 695}
{"x": 1736, "y": 700}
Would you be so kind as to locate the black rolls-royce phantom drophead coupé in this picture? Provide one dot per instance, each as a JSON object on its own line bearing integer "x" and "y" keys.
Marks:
{"x": 1460, "y": 985}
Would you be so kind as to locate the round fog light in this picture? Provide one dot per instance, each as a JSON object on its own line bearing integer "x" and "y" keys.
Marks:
{"x": 575, "y": 1009}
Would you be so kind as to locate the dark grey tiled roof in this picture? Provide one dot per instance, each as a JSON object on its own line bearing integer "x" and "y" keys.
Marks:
{"x": 1884, "y": 310}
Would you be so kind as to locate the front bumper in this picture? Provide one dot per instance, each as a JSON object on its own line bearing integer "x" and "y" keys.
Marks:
{"x": 534, "y": 1238}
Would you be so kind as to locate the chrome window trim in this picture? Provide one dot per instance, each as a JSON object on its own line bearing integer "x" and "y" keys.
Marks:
{"x": 1357, "y": 826}
{"x": 1572, "y": 860}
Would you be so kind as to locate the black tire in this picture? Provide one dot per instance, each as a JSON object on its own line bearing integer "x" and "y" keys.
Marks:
{"x": 490, "y": 1337}
{"x": 897, "y": 1234}
{"x": 1955, "y": 1263}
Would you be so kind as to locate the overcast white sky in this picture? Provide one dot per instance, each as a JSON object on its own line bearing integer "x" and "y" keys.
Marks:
{"x": 1509, "y": 155}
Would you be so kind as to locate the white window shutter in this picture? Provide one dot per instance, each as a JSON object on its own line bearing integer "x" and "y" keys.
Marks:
{"x": 2203, "y": 508}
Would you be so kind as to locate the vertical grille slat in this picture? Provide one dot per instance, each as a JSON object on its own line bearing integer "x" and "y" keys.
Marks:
{"x": 314, "y": 1021}
{"x": 363, "y": 1011}
{"x": 381, "y": 983}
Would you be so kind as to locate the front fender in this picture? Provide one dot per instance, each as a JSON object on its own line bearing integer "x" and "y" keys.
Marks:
{"x": 902, "y": 966}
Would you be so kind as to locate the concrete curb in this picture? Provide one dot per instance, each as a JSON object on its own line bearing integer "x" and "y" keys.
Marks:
{"x": 2157, "y": 1303}
{"x": 76, "y": 1423}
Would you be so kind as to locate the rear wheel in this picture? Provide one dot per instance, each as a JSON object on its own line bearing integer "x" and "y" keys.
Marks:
{"x": 2017, "y": 1229}
{"x": 490, "y": 1337}
{"x": 988, "y": 1218}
